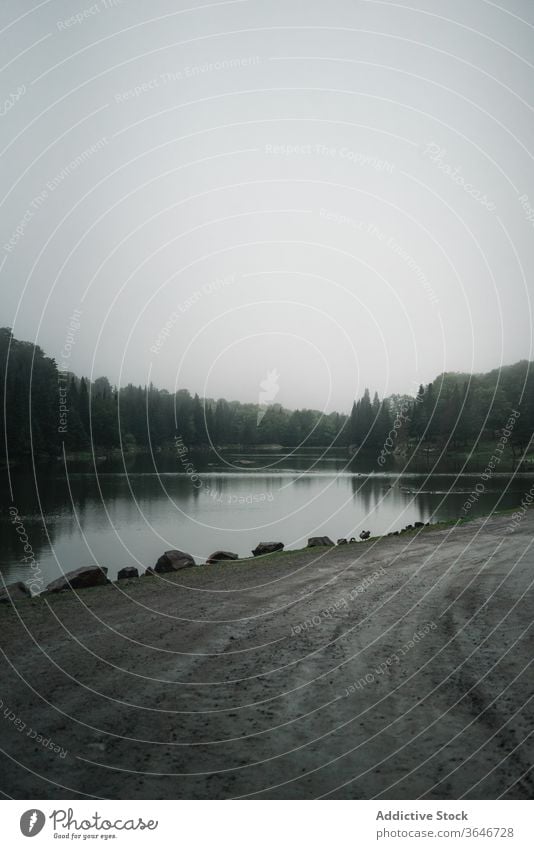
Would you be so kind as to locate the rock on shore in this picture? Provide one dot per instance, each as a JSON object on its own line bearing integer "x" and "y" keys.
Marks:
{"x": 172, "y": 561}
{"x": 267, "y": 548}
{"x": 14, "y": 592}
{"x": 87, "y": 576}
{"x": 219, "y": 556}
{"x": 316, "y": 541}
{"x": 127, "y": 572}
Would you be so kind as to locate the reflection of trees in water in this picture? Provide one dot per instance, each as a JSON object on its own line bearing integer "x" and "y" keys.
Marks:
{"x": 369, "y": 491}
{"x": 303, "y": 481}
{"x": 425, "y": 504}
{"x": 356, "y": 484}
{"x": 230, "y": 487}
{"x": 26, "y": 502}
{"x": 402, "y": 499}
{"x": 13, "y": 550}
{"x": 126, "y": 496}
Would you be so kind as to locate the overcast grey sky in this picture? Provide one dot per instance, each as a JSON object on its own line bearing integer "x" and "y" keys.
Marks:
{"x": 340, "y": 191}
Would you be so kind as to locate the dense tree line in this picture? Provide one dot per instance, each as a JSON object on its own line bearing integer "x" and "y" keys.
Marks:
{"x": 29, "y": 394}
{"x": 460, "y": 411}
{"x": 455, "y": 410}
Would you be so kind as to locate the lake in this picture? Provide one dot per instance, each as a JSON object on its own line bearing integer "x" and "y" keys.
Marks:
{"x": 120, "y": 512}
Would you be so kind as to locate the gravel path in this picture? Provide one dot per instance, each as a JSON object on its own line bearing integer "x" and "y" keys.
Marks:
{"x": 397, "y": 668}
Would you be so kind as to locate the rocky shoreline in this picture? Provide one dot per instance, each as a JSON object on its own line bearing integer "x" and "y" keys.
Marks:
{"x": 170, "y": 561}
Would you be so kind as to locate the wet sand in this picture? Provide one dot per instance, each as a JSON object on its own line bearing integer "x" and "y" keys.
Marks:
{"x": 396, "y": 668}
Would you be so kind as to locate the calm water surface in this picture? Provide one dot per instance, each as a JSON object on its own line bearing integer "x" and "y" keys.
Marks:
{"x": 127, "y": 512}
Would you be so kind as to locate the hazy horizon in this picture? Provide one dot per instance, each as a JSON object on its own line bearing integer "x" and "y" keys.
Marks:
{"x": 289, "y": 406}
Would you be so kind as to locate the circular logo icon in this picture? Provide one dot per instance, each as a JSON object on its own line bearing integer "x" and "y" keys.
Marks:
{"x": 32, "y": 822}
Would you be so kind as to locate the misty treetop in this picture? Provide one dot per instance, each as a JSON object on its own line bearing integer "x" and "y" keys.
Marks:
{"x": 46, "y": 409}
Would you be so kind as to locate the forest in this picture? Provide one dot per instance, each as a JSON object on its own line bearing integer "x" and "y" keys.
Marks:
{"x": 46, "y": 410}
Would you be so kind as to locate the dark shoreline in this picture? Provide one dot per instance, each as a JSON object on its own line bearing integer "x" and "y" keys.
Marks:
{"x": 223, "y": 563}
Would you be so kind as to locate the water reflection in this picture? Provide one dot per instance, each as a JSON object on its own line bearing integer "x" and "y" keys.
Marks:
{"x": 128, "y": 511}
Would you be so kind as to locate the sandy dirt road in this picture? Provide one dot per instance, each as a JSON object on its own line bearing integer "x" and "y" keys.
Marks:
{"x": 396, "y": 668}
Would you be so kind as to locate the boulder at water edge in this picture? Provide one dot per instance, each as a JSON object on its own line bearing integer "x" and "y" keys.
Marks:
{"x": 14, "y": 592}
{"x": 315, "y": 541}
{"x": 127, "y": 572}
{"x": 219, "y": 556}
{"x": 79, "y": 579}
{"x": 267, "y": 548}
{"x": 173, "y": 561}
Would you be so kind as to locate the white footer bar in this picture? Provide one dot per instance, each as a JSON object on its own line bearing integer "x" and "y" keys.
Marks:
{"x": 269, "y": 824}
